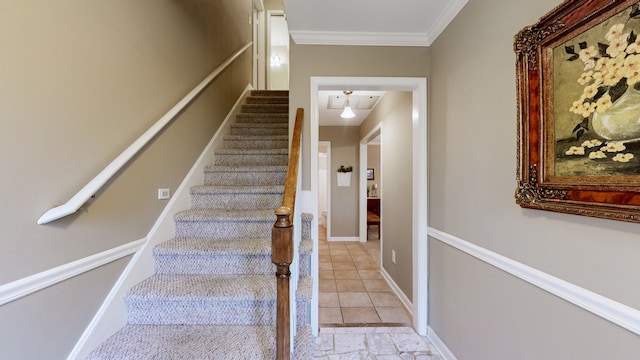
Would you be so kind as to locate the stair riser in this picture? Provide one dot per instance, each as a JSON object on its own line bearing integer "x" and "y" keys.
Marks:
{"x": 259, "y": 130}
{"x": 265, "y": 108}
{"x": 255, "y": 144}
{"x": 236, "y": 201}
{"x": 250, "y": 159}
{"x": 267, "y": 100}
{"x": 223, "y": 229}
{"x": 245, "y": 178}
{"x": 262, "y": 118}
{"x": 270, "y": 93}
{"x": 206, "y": 312}
{"x": 223, "y": 265}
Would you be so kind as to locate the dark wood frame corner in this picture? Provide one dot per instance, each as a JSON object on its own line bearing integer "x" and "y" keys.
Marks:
{"x": 611, "y": 194}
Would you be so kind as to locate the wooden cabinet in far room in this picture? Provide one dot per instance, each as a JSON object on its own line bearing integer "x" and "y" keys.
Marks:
{"x": 373, "y": 205}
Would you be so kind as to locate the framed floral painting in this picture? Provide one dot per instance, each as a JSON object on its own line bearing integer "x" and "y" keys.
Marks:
{"x": 578, "y": 78}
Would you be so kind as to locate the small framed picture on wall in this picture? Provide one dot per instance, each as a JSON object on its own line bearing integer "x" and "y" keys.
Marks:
{"x": 370, "y": 174}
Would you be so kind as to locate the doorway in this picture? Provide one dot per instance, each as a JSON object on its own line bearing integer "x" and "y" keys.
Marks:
{"x": 417, "y": 300}
{"x": 277, "y": 51}
{"x": 324, "y": 188}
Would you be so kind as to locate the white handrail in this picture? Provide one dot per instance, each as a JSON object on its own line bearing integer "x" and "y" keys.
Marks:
{"x": 73, "y": 204}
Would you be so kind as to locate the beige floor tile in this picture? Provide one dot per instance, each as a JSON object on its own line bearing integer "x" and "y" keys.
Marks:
{"x": 327, "y": 285}
{"x": 347, "y": 275}
{"x": 324, "y": 258}
{"x": 330, "y": 316}
{"x": 365, "y": 265}
{"x": 376, "y": 286}
{"x": 340, "y": 258}
{"x": 350, "y": 285}
{"x": 325, "y": 266}
{"x": 370, "y": 274}
{"x": 329, "y": 299}
{"x": 354, "y": 299}
{"x": 366, "y": 315}
{"x": 326, "y": 274}
{"x": 393, "y": 315}
{"x": 381, "y": 299}
{"x": 361, "y": 257}
{"x": 338, "y": 251}
{"x": 343, "y": 265}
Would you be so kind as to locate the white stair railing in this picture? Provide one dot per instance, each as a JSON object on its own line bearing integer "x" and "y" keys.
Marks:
{"x": 89, "y": 190}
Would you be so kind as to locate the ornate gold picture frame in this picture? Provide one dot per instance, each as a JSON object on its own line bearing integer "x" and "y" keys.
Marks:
{"x": 578, "y": 80}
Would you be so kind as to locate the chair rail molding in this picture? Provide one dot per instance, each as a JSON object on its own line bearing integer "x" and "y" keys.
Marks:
{"x": 20, "y": 288}
{"x": 89, "y": 190}
{"x": 619, "y": 314}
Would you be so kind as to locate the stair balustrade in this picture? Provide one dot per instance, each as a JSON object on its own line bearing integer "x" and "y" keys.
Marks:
{"x": 282, "y": 244}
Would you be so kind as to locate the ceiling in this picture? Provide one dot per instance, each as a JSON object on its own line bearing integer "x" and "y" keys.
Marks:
{"x": 331, "y": 104}
{"x": 365, "y": 23}
{"x": 369, "y": 22}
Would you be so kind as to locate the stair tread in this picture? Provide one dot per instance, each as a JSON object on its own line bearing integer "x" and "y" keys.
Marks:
{"x": 264, "y": 137}
{"x": 268, "y": 151}
{"x": 245, "y": 168}
{"x": 218, "y": 247}
{"x": 189, "y": 287}
{"x": 227, "y": 215}
{"x": 189, "y": 342}
{"x": 260, "y": 125}
{"x": 237, "y": 189}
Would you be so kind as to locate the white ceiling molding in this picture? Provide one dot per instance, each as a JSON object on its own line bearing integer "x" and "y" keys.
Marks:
{"x": 435, "y": 19}
{"x": 445, "y": 18}
{"x": 303, "y": 37}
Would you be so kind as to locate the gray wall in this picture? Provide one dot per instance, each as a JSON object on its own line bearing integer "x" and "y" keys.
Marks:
{"x": 477, "y": 310}
{"x": 394, "y": 113}
{"x": 344, "y": 200}
{"x": 80, "y": 82}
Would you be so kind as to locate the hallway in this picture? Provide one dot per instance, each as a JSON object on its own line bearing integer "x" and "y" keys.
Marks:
{"x": 352, "y": 290}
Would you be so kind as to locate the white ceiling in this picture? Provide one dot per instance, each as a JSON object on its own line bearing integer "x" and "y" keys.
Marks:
{"x": 369, "y": 22}
{"x": 330, "y": 106}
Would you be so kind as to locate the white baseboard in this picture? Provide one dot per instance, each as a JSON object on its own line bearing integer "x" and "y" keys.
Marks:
{"x": 396, "y": 289}
{"x": 622, "y": 315}
{"x": 112, "y": 314}
{"x": 439, "y": 345}
{"x": 30, "y": 284}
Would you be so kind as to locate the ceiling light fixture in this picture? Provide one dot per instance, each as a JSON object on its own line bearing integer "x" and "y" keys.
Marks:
{"x": 275, "y": 61}
{"x": 347, "y": 113}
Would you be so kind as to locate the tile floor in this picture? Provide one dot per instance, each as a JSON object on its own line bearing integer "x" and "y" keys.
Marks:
{"x": 372, "y": 343}
{"x": 352, "y": 291}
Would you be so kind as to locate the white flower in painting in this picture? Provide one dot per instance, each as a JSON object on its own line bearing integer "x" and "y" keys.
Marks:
{"x": 588, "y": 53}
{"x": 623, "y": 157}
{"x": 585, "y": 77}
{"x": 603, "y": 104}
{"x": 591, "y": 143}
{"x": 575, "y": 150}
{"x": 597, "y": 155}
{"x": 615, "y": 32}
{"x": 614, "y": 146}
{"x": 618, "y": 45}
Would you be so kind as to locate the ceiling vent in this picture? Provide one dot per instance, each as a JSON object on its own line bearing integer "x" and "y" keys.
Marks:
{"x": 359, "y": 102}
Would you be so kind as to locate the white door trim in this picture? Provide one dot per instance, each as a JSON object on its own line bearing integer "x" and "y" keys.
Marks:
{"x": 418, "y": 86}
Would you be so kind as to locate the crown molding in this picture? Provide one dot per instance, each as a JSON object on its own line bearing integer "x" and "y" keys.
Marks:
{"x": 303, "y": 37}
{"x": 355, "y": 38}
{"x": 445, "y": 18}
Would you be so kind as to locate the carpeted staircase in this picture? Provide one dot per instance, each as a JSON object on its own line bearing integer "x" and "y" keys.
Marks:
{"x": 213, "y": 294}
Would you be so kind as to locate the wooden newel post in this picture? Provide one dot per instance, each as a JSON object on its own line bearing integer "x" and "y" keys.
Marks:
{"x": 282, "y": 256}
